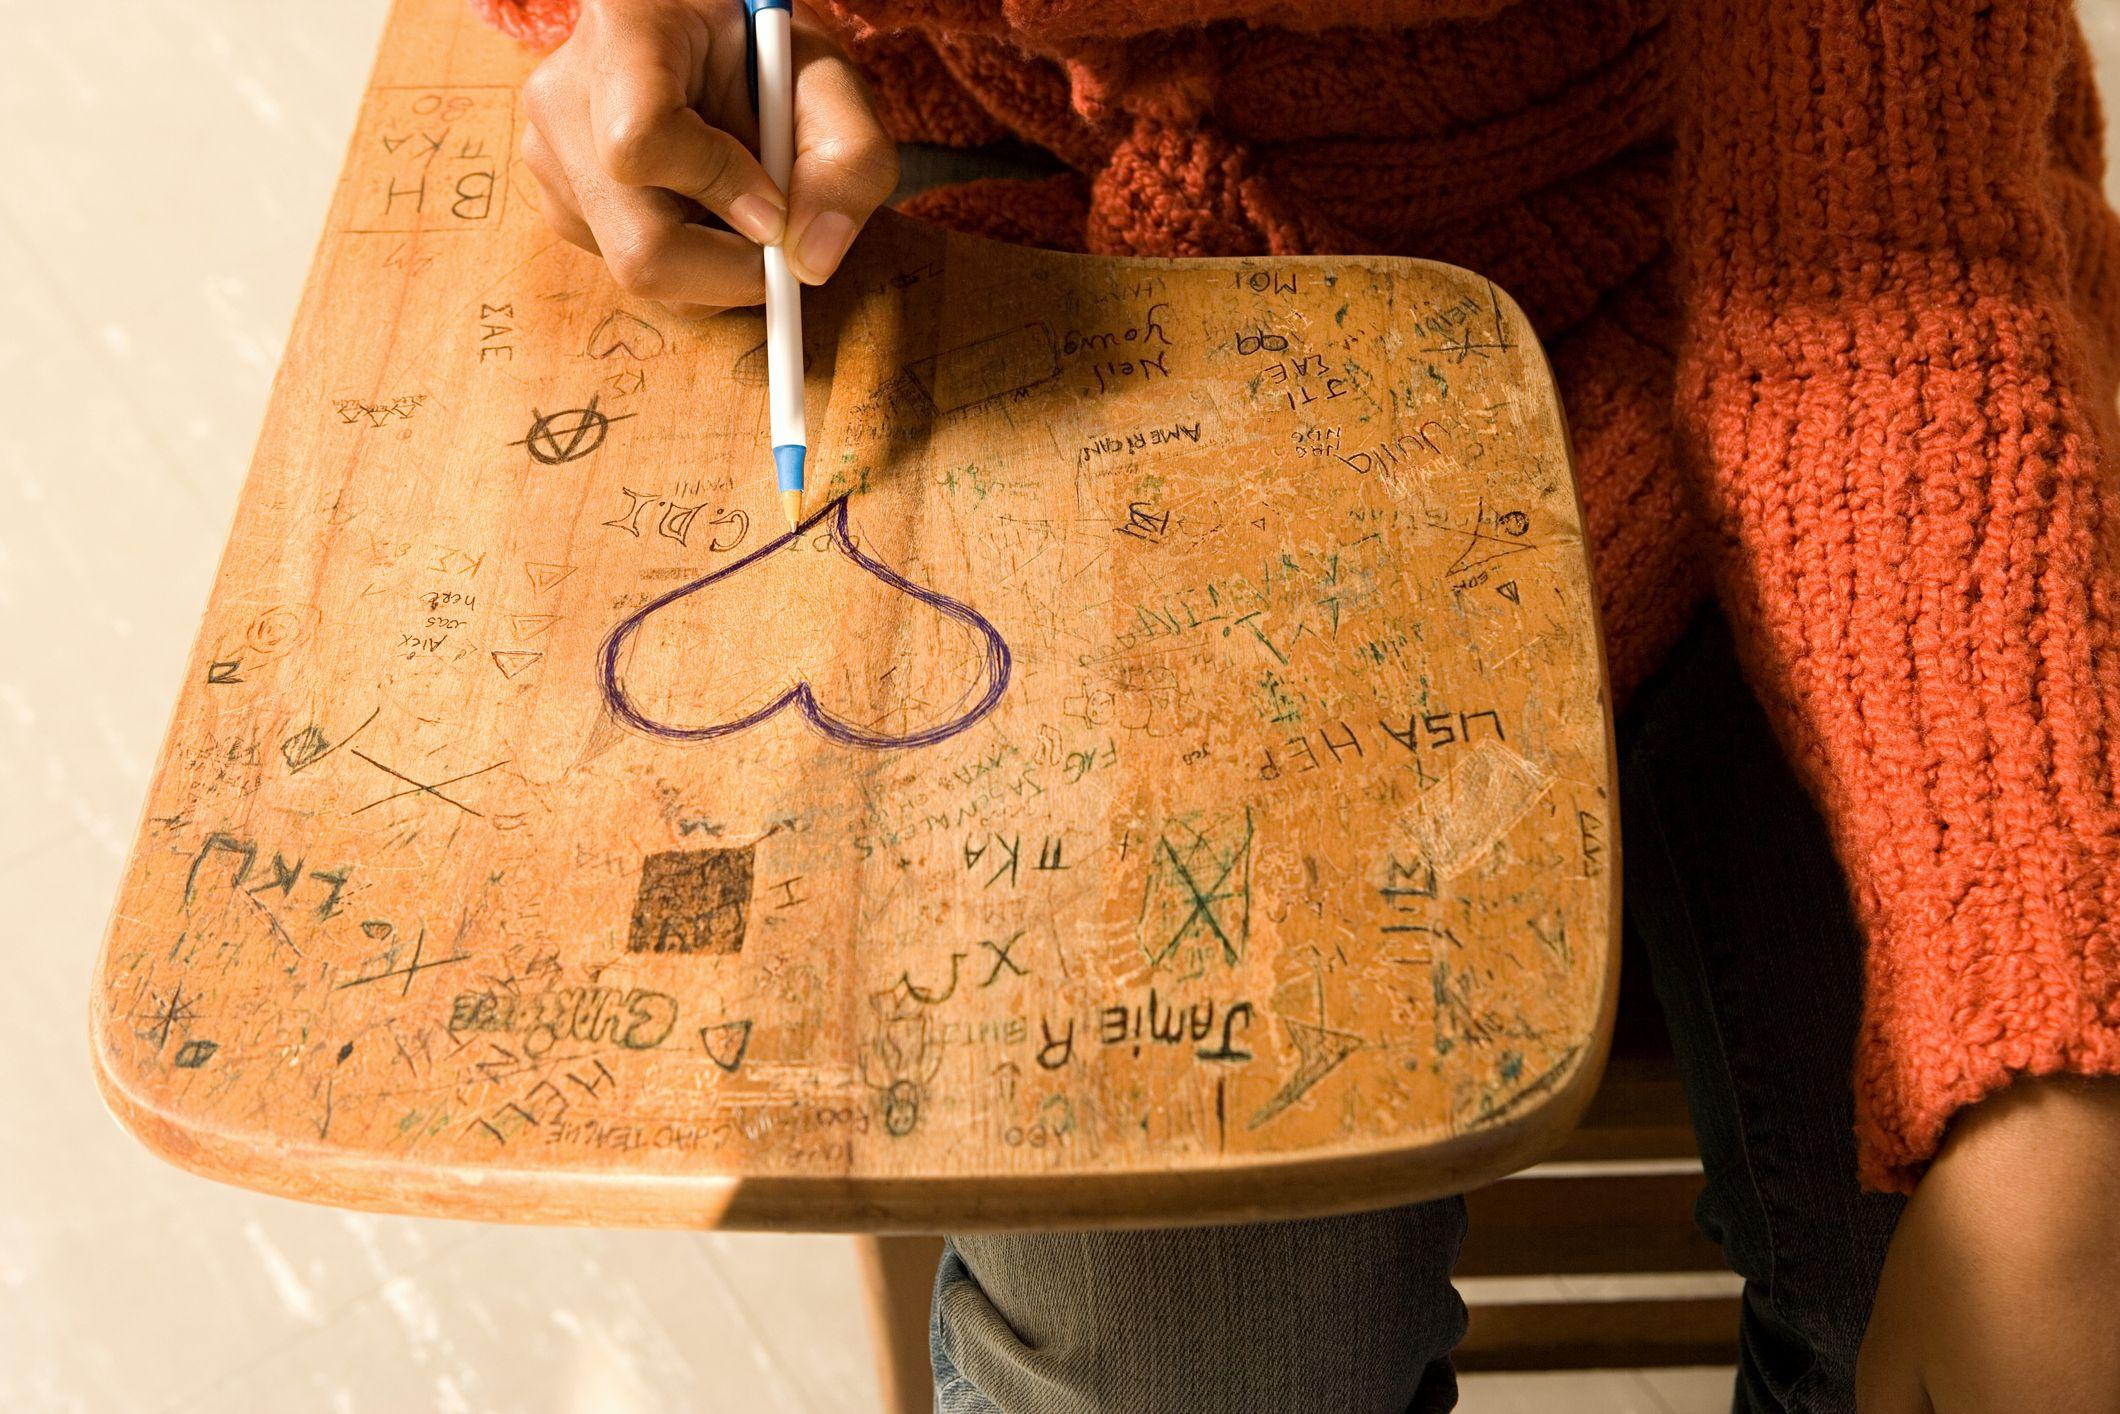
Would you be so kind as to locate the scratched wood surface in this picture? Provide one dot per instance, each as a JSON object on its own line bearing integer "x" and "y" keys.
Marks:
{"x": 1166, "y": 779}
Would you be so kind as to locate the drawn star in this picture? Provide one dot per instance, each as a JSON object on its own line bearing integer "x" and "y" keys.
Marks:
{"x": 165, "y": 1017}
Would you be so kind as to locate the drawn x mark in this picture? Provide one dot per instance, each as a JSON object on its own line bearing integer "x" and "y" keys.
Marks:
{"x": 409, "y": 970}
{"x": 417, "y": 787}
{"x": 1002, "y": 959}
{"x": 1203, "y": 902}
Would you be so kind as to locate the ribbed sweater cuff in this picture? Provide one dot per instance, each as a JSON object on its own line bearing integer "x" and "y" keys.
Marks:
{"x": 1914, "y": 524}
{"x": 1985, "y": 969}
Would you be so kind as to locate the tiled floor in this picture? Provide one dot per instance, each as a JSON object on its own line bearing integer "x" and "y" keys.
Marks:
{"x": 167, "y": 168}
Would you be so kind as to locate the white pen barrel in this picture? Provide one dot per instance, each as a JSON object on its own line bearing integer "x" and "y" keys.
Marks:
{"x": 776, "y": 94}
{"x": 776, "y": 151}
{"x": 784, "y": 351}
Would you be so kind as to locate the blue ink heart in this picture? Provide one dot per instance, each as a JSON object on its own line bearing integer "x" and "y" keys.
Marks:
{"x": 829, "y": 726}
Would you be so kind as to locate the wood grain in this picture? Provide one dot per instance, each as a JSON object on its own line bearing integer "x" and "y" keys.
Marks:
{"x": 1168, "y": 779}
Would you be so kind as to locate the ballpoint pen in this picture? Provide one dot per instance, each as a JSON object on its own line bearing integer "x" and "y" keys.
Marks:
{"x": 772, "y": 41}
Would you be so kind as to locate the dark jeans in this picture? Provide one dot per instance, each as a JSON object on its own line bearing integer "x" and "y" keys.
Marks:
{"x": 1734, "y": 902}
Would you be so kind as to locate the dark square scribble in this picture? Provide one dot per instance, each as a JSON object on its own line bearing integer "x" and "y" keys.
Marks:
{"x": 692, "y": 900}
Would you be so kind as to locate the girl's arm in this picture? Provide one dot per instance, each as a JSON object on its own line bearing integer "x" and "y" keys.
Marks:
{"x": 1896, "y": 398}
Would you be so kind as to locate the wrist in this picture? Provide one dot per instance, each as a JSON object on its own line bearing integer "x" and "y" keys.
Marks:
{"x": 2037, "y": 1125}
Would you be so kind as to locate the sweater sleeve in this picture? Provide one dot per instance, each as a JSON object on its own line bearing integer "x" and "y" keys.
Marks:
{"x": 542, "y": 23}
{"x": 1895, "y": 402}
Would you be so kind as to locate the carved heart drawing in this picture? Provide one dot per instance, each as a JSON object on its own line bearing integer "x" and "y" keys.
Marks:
{"x": 621, "y": 332}
{"x": 977, "y": 673}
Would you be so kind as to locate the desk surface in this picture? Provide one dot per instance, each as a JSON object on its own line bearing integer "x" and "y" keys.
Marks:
{"x": 1167, "y": 779}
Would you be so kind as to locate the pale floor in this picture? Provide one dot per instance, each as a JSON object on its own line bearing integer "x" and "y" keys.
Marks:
{"x": 166, "y": 170}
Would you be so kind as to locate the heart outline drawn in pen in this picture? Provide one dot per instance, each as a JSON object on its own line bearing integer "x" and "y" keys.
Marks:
{"x": 997, "y": 659}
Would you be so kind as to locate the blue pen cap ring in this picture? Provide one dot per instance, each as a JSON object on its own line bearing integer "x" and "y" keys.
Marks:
{"x": 787, "y": 465}
{"x": 750, "y": 42}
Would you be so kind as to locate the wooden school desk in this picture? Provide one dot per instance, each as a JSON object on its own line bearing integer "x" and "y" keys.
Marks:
{"x": 1167, "y": 780}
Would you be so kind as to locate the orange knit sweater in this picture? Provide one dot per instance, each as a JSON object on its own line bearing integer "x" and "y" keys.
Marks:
{"x": 1831, "y": 293}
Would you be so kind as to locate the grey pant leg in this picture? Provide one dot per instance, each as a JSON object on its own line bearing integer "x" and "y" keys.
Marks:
{"x": 1735, "y": 898}
{"x": 1347, "y": 1315}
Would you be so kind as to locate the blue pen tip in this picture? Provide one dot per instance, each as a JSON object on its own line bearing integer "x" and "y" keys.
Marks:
{"x": 787, "y": 462}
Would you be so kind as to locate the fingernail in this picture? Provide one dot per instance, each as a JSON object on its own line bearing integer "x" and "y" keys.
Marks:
{"x": 823, "y": 243}
{"x": 758, "y": 218}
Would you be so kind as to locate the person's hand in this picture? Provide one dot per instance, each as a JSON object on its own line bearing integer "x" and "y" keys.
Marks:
{"x": 644, "y": 116}
{"x": 2001, "y": 1289}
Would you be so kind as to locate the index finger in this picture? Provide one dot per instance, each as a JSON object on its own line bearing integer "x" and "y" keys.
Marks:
{"x": 647, "y": 132}
{"x": 845, "y": 164}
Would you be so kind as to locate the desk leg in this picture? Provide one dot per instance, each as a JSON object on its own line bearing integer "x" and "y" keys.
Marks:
{"x": 898, "y": 1275}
